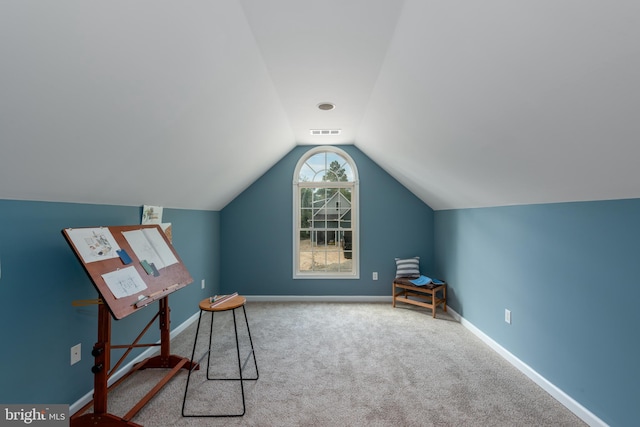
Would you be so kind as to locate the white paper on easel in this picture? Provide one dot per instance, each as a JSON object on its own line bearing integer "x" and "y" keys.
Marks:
{"x": 94, "y": 244}
{"x": 124, "y": 282}
{"x": 149, "y": 245}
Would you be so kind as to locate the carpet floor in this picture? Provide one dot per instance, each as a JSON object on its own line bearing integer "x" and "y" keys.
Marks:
{"x": 344, "y": 364}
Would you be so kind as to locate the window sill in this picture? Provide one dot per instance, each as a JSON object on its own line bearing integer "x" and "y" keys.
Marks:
{"x": 326, "y": 276}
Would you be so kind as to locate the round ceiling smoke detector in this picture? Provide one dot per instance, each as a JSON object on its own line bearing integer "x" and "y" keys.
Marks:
{"x": 326, "y": 106}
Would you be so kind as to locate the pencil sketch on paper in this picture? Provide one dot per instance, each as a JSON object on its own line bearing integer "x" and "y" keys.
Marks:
{"x": 149, "y": 245}
{"x": 124, "y": 282}
{"x": 94, "y": 244}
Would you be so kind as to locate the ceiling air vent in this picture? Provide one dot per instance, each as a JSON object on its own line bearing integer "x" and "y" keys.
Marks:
{"x": 325, "y": 131}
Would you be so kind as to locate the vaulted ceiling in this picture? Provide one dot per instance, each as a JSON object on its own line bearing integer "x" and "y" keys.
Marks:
{"x": 185, "y": 103}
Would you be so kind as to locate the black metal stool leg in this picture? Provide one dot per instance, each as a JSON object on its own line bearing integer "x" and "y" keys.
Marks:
{"x": 193, "y": 355}
{"x": 253, "y": 353}
{"x": 210, "y": 341}
{"x": 235, "y": 327}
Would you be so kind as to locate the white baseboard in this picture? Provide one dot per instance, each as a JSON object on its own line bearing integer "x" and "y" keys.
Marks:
{"x": 76, "y": 406}
{"x": 583, "y": 413}
{"x": 318, "y": 298}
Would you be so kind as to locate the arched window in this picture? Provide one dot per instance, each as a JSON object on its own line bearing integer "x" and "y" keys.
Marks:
{"x": 325, "y": 200}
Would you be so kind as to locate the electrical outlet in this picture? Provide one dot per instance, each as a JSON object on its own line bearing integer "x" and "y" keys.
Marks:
{"x": 202, "y": 283}
{"x": 507, "y": 316}
{"x": 76, "y": 354}
{"x": 375, "y": 275}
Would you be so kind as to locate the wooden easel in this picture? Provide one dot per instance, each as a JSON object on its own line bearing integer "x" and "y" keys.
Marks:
{"x": 170, "y": 279}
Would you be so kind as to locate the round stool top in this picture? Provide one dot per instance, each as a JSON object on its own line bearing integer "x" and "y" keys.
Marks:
{"x": 229, "y": 304}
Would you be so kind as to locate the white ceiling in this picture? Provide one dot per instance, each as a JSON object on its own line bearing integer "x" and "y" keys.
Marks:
{"x": 185, "y": 103}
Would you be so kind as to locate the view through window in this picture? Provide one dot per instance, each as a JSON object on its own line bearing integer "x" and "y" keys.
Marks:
{"x": 325, "y": 194}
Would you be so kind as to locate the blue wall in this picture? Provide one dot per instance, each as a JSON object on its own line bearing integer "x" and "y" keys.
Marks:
{"x": 570, "y": 274}
{"x": 257, "y": 233}
{"x": 41, "y": 276}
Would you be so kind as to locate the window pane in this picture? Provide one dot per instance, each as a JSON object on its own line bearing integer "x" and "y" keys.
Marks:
{"x": 348, "y": 172}
{"x": 306, "y": 263}
{"x": 306, "y": 256}
{"x": 346, "y": 264}
{"x": 333, "y": 241}
{"x": 305, "y": 218}
{"x": 319, "y": 197}
{"x": 306, "y": 197}
{"x": 347, "y": 244}
{"x": 306, "y": 173}
{"x": 335, "y": 168}
{"x": 319, "y": 261}
{"x": 346, "y": 192}
{"x": 315, "y": 167}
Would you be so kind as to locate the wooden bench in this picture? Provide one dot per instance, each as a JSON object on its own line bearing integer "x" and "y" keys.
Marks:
{"x": 428, "y": 296}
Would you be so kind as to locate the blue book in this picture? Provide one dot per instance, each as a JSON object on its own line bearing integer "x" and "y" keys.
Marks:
{"x": 421, "y": 281}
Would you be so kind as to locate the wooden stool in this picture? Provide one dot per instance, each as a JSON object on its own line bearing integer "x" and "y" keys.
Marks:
{"x": 232, "y": 304}
{"x": 429, "y": 296}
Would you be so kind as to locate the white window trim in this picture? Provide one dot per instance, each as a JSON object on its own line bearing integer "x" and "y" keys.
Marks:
{"x": 355, "y": 215}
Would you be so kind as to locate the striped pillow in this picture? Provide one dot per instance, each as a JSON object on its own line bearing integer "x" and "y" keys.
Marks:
{"x": 409, "y": 267}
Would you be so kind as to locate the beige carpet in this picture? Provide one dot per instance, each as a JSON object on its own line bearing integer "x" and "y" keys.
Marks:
{"x": 346, "y": 364}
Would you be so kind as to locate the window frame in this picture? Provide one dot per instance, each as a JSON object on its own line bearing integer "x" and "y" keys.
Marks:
{"x": 355, "y": 217}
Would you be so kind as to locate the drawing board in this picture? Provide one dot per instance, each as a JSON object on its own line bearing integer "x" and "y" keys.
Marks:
{"x": 131, "y": 266}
